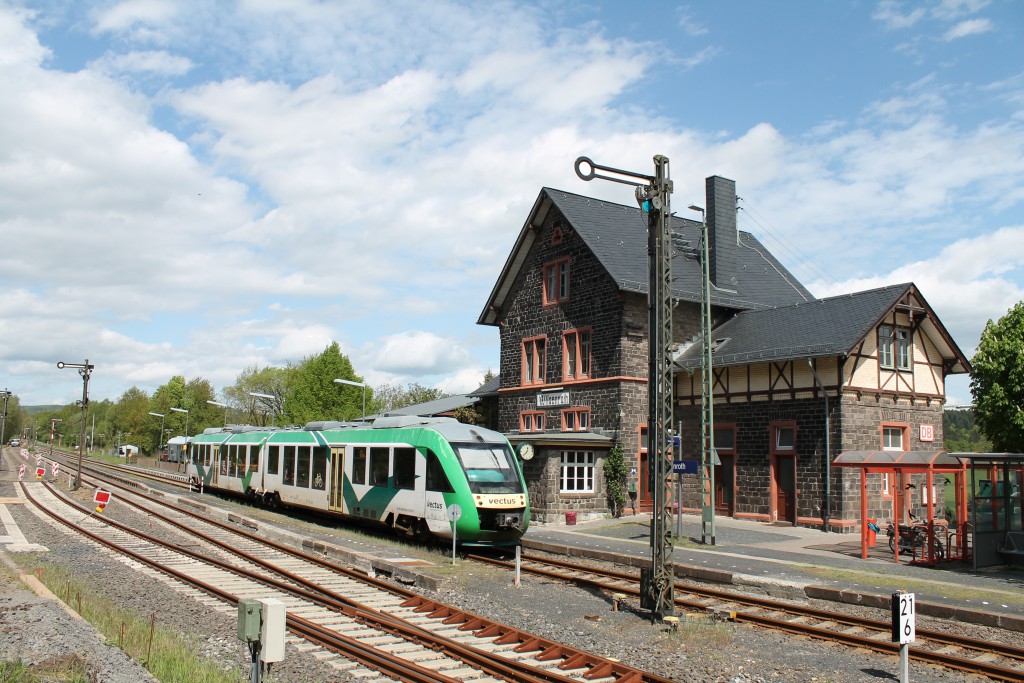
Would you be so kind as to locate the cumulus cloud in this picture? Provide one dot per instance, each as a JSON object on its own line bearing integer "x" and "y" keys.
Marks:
{"x": 417, "y": 352}
{"x": 146, "y": 62}
{"x": 970, "y": 27}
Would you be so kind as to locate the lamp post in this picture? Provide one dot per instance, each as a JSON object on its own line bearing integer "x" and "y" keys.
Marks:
{"x": 225, "y": 407}
{"x": 182, "y": 410}
{"x": 84, "y": 370}
{"x": 707, "y": 415}
{"x": 268, "y": 397}
{"x": 3, "y": 420}
{"x": 355, "y": 384}
{"x": 160, "y": 448}
{"x": 53, "y": 424}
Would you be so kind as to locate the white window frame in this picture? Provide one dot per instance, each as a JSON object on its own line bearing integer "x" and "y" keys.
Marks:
{"x": 886, "y": 432}
{"x": 904, "y": 353}
{"x": 885, "y": 339}
{"x": 577, "y": 472}
{"x": 778, "y": 440}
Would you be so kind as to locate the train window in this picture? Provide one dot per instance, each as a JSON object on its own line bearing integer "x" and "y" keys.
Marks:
{"x": 229, "y": 463}
{"x": 222, "y": 458}
{"x": 254, "y": 459}
{"x": 320, "y": 454}
{"x": 379, "y": 465}
{"x": 239, "y": 464}
{"x": 359, "y": 465}
{"x": 489, "y": 467}
{"x": 273, "y": 459}
{"x": 405, "y": 468}
{"x": 302, "y": 467}
{"x": 289, "y": 466}
{"x": 437, "y": 478}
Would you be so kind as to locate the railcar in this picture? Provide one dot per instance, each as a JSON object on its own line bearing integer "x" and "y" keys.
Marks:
{"x": 407, "y": 473}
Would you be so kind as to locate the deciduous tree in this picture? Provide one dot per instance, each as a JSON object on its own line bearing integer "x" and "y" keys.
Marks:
{"x": 997, "y": 381}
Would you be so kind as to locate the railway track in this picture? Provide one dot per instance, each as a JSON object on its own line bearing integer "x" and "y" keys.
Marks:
{"x": 342, "y": 609}
{"x": 997, "y": 661}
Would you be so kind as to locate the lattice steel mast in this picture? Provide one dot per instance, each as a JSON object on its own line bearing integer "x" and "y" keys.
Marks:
{"x": 654, "y": 196}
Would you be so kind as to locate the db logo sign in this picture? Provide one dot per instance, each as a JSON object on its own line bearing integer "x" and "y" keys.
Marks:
{"x": 927, "y": 432}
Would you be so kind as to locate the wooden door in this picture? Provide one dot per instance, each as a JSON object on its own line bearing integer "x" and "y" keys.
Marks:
{"x": 785, "y": 488}
{"x": 724, "y": 478}
{"x": 645, "y": 500}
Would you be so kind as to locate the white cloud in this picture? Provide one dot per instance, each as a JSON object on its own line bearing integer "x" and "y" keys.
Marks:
{"x": 951, "y": 10}
{"x": 889, "y": 13}
{"x": 133, "y": 13}
{"x": 970, "y": 27}
{"x": 419, "y": 353}
{"x": 148, "y": 62}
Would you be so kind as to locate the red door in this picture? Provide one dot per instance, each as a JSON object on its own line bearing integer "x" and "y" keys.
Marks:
{"x": 785, "y": 488}
{"x": 724, "y": 477}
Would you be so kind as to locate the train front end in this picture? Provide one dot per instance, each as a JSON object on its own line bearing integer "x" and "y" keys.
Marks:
{"x": 496, "y": 496}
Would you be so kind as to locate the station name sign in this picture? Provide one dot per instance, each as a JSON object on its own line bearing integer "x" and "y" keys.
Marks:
{"x": 553, "y": 399}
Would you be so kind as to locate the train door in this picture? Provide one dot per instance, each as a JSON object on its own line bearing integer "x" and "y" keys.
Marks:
{"x": 336, "y": 496}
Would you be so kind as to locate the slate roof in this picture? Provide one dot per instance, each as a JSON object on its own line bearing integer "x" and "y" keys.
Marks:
{"x": 617, "y": 235}
{"x": 825, "y": 327}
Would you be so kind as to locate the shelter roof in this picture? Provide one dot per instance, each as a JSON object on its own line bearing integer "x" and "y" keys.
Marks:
{"x": 918, "y": 460}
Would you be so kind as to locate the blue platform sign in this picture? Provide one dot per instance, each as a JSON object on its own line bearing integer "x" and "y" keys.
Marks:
{"x": 684, "y": 466}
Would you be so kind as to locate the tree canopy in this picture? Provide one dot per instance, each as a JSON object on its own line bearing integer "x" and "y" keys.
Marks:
{"x": 997, "y": 381}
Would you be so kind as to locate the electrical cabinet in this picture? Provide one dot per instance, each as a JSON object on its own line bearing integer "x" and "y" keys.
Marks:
{"x": 248, "y": 620}
{"x": 273, "y": 630}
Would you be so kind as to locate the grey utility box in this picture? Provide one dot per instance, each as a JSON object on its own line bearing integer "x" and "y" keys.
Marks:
{"x": 273, "y": 630}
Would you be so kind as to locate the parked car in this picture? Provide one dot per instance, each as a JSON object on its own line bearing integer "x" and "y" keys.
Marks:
{"x": 15, "y": 443}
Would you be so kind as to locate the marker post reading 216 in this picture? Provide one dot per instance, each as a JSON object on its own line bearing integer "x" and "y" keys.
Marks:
{"x": 454, "y": 513}
{"x": 904, "y": 629}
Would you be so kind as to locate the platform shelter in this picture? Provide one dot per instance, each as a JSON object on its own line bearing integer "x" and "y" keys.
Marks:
{"x": 997, "y": 480}
{"x": 900, "y": 466}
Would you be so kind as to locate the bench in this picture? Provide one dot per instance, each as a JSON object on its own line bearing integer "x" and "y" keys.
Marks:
{"x": 1012, "y": 549}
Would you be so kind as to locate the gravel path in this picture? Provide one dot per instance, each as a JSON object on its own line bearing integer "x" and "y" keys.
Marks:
{"x": 701, "y": 652}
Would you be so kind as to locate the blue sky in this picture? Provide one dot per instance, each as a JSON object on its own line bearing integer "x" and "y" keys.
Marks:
{"x": 194, "y": 188}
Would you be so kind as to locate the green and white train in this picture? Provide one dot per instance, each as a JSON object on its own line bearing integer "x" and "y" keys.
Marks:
{"x": 412, "y": 474}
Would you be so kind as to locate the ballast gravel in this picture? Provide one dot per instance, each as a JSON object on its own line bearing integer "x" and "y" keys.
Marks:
{"x": 701, "y": 651}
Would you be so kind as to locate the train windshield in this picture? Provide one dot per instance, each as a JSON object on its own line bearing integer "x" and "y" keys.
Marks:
{"x": 490, "y": 467}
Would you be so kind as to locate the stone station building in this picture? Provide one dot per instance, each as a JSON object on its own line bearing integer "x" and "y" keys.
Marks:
{"x": 570, "y": 305}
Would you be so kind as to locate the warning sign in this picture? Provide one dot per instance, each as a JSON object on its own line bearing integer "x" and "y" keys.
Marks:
{"x": 21, "y": 473}
{"x": 55, "y": 469}
{"x": 102, "y": 499}
{"x": 40, "y": 471}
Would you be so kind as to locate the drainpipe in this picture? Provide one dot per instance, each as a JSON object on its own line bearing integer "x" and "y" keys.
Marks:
{"x": 828, "y": 451}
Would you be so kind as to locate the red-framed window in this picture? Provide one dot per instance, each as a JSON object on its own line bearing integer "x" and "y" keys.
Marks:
{"x": 895, "y": 436}
{"x": 576, "y": 354}
{"x": 556, "y": 281}
{"x": 576, "y": 420}
{"x": 531, "y": 421}
{"x": 783, "y": 437}
{"x": 534, "y": 360}
{"x": 725, "y": 439}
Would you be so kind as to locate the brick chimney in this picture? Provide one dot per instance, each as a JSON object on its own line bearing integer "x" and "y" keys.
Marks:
{"x": 723, "y": 238}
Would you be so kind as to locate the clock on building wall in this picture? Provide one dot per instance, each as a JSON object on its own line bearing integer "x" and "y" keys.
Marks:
{"x": 526, "y": 451}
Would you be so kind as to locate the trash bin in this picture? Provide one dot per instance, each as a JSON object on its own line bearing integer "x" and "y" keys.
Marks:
{"x": 872, "y": 531}
{"x": 570, "y": 517}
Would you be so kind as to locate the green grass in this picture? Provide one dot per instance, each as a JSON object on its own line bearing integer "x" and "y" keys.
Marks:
{"x": 170, "y": 656}
{"x": 57, "y": 670}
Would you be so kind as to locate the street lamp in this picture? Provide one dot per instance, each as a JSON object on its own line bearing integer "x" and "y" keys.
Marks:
{"x": 160, "y": 448}
{"x": 182, "y": 410}
{"x": 6, "y": 393}
{"x": 84, "y": 370}
{"x": 268, "y": 397}
{"x": 225, "y": 407}
{"x": 355, "y": 384}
